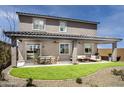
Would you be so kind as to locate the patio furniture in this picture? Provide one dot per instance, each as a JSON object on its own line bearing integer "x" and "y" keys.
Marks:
{"x": 56, "y": 60}
{"x": 47, "y": 60}
{"x": 118, "y": 58}
{"x": 82, "y": 58}
{"x": 52, "y": 60}
{"x": 95, "y": 58}
{"x": 42, "y": 61}
{"x": 107, "y": 59}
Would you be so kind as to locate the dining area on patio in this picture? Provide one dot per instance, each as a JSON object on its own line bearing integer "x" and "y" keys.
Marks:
{"x": 46, "y": 60}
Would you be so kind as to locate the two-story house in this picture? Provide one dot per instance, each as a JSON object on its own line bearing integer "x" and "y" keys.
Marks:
{"x": 55, "y": 36}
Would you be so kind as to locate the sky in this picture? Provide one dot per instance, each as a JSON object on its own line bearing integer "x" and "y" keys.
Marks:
{"x": 111, "y": 18}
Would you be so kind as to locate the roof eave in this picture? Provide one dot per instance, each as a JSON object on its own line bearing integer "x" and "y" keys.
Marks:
{"x": 59, "y": 36}
{"x": 58, "y": 18}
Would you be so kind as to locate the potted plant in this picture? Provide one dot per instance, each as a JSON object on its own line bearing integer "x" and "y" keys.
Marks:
{"x": 97, "y": 55}
{"x": 110, "y": 57}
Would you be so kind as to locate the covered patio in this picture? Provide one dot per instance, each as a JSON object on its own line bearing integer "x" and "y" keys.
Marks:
{"x": 17, "y": 36}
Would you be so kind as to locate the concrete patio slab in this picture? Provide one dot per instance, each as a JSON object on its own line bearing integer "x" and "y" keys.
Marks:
{"x": 63, "y": 63}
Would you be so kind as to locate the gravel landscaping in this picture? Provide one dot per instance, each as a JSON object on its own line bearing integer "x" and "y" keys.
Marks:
{"x": 102, "y": 78}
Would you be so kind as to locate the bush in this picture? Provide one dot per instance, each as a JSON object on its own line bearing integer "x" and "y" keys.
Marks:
{"x": 122, "y": 77}
{"x": 116, "y": 72}
{"x": 109, "y": 54}
{"x": 2, "y": 76}
{"x": 29, "y": 83}
{"x": 79, "y": 80}
{"x": 96, "y": 54}
{"x": 5, "y": 52}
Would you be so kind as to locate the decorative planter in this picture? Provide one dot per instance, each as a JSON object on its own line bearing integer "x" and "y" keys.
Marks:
{"x": 110, "y": 57}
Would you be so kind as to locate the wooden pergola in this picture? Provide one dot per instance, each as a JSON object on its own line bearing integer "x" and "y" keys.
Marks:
{"x": 75, "y": 38}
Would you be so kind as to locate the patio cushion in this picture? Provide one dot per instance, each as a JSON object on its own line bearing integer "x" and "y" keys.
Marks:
{"x": 95, "y": 58}
{"x": 81, "y": 56}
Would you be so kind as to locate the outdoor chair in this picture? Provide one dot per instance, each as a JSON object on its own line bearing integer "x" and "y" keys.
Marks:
{"x": 56, "y": 59}
{"x": 48, "y": 61}
{"x": 42, "y": 61}
{"x": 52, "y": 61}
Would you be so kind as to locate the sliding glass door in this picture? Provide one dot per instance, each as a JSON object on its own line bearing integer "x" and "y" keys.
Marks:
{"x": 33, "y": 50}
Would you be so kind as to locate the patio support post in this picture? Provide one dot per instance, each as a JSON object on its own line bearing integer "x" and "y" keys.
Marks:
{"x": 13, "y": 52}
{"x": 74, "y": 54}
{"x": 114, "y": 51}
{"x": 21, "y": 60}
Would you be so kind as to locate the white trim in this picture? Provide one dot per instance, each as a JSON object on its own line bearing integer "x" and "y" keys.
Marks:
{"x": 65, "y": 27}
{"x": 38, "y": 29}
{"x": 68, "y": 46}
{"x": 91, "y": 48}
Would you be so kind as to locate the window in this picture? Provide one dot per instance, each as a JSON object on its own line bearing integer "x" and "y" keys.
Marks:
{"x": 64, "y": 48}
{"x": 88, "y": 48}
{"x": 38, "y": 24}
{"x": 33, "y": 50}
{"x": 63, "y": 26}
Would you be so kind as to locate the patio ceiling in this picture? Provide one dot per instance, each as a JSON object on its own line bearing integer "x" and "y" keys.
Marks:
{"x": 45, "y": 35}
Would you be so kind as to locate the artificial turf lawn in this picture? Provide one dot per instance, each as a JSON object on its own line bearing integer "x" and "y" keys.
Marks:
{"x": 61, "y": 72}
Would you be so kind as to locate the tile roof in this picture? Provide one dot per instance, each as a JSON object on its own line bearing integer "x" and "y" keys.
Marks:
{"x": 46, "y": 35}
{"x": 56, "y": 17}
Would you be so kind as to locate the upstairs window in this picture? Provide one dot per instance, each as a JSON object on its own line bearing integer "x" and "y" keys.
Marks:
{"x": 63, "y": 26}
{"x": 38, "y": 24}
{"x": 88, "y": 48}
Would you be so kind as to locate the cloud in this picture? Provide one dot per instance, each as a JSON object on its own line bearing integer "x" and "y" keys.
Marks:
{"x": 7, "y": 17}
{"x": 113, "y": 25}
{"x": 58, "y": 11}
{"x": 5, "y": 13}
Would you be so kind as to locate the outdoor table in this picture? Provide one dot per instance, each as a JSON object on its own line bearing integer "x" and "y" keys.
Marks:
{"x": 47, "y": 59}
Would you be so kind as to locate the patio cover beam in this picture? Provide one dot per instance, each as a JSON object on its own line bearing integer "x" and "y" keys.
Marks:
{"x": 14, "y": 52}
{"x": 46, "y": 35}
{"x": 114, "y": 51}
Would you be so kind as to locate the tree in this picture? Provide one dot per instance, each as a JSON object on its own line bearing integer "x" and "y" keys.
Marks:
{"x": 10, "y": 18}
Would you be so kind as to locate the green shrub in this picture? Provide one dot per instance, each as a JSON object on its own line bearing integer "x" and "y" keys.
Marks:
{"x": 2, "y": 76}
{"x": 5, "y": 52}
{"x": 29, "y": 83}
{"x": 79, "y": 80}
{"x": 116, "y": 72}
{"x": 122, "y": 77}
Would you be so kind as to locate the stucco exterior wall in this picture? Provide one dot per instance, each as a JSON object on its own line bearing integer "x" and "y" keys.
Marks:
{"x": 51, "y": 48}
{"x": 52, "y": 26}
